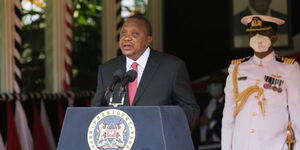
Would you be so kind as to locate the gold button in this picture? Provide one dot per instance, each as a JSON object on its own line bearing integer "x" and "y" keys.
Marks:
{"x": 253, "y": 114}
{"x": 252, "y": 131}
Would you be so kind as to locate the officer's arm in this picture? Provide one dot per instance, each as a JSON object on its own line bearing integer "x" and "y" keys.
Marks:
{"x": 228, "y": 119}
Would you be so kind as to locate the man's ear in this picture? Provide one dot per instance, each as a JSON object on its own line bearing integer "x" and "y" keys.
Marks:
{"x": 273, "y": 38}
{"x": 149, "y": 40}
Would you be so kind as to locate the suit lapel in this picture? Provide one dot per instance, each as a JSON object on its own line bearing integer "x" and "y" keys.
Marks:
{"x": 121, "y": 64}
{"x": 148, "y": 73}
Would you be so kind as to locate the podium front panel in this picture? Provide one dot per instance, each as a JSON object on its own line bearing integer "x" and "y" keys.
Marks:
{"x": 156, "y": 127}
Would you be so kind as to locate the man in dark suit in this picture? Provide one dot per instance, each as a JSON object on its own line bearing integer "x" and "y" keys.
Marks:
{"x": 162, "y": 79}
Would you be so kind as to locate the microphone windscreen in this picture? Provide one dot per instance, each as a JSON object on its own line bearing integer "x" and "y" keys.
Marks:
{"x": 119, "y": 73}
{"x": 132, "y": 74}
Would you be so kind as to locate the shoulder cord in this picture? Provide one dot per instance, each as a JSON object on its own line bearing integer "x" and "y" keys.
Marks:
{"x": 241, "y": 99}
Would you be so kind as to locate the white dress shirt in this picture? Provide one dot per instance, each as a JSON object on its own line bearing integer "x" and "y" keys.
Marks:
{"x": 142, "y": 61}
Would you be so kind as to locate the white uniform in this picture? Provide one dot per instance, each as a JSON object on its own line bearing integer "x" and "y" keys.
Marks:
{"x": 250, "y": 129}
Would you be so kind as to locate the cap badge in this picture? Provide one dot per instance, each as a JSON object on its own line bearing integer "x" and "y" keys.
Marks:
{"x": 256, "y": 22}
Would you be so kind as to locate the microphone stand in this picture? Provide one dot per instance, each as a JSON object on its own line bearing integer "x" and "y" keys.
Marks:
{"x": 122, "y": 93}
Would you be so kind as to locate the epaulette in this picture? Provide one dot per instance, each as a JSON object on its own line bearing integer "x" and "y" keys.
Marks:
{"x": 286, "y": 60}
{"x": 240, "y": 60}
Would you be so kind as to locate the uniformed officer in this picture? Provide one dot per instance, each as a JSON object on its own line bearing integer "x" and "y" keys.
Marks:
{"x": 262, "y": 94}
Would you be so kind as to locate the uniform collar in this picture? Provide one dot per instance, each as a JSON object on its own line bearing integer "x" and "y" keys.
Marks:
{"x": 264, "y": 60}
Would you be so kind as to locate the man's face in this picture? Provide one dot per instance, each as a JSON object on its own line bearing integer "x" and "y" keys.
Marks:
{"x": 260, "y": 6}
{"x": 260, "y": 46}
{"x": 215, "y": 89}
{"x": 134, "y": 39}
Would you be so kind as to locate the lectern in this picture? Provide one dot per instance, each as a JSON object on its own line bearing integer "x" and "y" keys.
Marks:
{"x": 125, "y": 128}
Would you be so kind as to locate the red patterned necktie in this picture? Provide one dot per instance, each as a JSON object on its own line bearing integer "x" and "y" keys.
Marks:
{"x": 132, "y": 86}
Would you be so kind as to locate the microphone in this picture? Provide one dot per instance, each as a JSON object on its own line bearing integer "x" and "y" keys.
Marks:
{"x": 117, "y": 76}
{"x": 129, "y": 77}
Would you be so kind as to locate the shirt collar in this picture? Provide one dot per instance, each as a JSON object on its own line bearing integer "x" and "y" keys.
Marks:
{"x": 268, "y": 58}
{"x": 142, "y": 60}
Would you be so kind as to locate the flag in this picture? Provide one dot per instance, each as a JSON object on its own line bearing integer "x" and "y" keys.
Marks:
{"x": 60, "y": 113}
{"x": 22, "y": 127}
{"x": 12, "y": 142}
{"x": 1, "y": 143}
{"x": 39, "y": 136}
{"x": 47, "y": 127}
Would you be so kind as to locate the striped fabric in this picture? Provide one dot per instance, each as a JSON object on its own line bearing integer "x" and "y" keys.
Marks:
{"x": 68, "y": 45}
{"x": 18, "y": 46}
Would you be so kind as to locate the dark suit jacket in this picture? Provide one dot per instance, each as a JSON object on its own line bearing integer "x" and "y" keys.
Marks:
{"x": 164, "y": 81}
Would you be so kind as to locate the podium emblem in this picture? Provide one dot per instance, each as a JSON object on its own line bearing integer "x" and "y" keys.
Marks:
{"x": 112, "y": 129}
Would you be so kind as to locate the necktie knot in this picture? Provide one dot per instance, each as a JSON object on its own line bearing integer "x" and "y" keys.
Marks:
{"x": 134, "y": 66}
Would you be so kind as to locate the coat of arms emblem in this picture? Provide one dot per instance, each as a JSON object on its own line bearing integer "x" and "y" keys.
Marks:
{"x": 111, "y": 129}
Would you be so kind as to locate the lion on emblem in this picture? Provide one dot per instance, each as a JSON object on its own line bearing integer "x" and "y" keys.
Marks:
{"x": 111, "y": 135}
